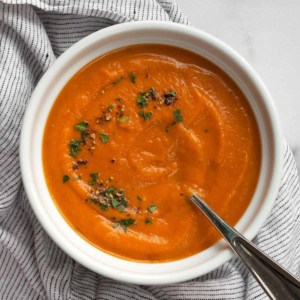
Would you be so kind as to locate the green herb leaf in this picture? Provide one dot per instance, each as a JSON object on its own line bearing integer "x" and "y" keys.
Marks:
{"x": 110, "y": 107}
{"x": 117, "y": 80}
{"x": 104, "y": 206}
{"x": 117, "y": 224}
{"x": 177, "y": 116}
{"x": 94, "y": 200}
{"x": 124, "y": 223}
{"x": 145, "y": 115}
{"x": 115, "y": 203}
{"x": 94, "y": 176}
{"x": 74, "y": 148}
{"x": 148, "y": 221}
{"x": 152, "y": 208}
{"x": 82, "y": 126}
{"x": 123, "y": 119}
{"x": 93, "y": 182}
{"x": 65, "y": 178}
{"x": 104, "y": 137}
{"x": 132, "y": 77}
{"x": 141, "y": 100}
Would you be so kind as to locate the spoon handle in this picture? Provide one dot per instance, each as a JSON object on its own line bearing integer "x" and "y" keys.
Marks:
{"x": 277, "y": 282}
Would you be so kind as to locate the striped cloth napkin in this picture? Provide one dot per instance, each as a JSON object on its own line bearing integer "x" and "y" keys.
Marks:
{"x": 32, "y": 34}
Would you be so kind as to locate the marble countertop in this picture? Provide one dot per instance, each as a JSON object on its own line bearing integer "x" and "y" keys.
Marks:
{"x": 267, "y": 34}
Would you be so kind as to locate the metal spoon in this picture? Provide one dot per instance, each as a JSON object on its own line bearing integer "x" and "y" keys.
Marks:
{"x": 277, "y": 282}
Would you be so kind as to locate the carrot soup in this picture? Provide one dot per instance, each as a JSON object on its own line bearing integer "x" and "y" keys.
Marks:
{"x": 132, "y": 134}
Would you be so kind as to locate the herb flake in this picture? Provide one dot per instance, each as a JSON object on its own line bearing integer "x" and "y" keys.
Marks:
{"x": 148, "y": 221}
{"x": 177, "y": 116}
{"x": 117, "y": 80}
{"x": 145, "y": 115}
{"x": 124, "y": 223}
{"x": 82, "y": 126}
{"x": 74, "y": 148}
{"x": 132, "y": 77}
{"x": 152, "y": 208}
{"x": 65, "y": 178}
{"x": 104, "y": 137}
{"x": 142, "y": 101}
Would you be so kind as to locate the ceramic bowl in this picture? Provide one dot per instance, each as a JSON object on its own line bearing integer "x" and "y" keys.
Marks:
{"x": 73, "y": 60}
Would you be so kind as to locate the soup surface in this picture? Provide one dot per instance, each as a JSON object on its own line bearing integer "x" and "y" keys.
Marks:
{"x": 133, "y": 134}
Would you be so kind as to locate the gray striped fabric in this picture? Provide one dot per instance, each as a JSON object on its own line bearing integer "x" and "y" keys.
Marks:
{"x": 32, "y": 34}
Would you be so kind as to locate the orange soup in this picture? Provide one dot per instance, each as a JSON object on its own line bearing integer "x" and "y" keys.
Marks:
{"x": 133, "y": 134}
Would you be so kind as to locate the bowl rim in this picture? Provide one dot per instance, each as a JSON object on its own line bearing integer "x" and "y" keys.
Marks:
{"x": 30, "y": 188}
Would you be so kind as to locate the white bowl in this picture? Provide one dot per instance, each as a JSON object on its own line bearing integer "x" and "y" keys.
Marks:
{"x": 73, "y": 60}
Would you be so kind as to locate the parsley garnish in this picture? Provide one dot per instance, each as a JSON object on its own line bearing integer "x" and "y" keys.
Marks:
{"x": 148, "y": 221}
{"x": 132, "y": 77}
{"x": 74, "y": 148}
{"x": 177, "y": 116}
{"x": 145, "y": 115}
{"x": 117, "y": 80}
{"x": 152, "y": 208}
{"x": 94, "y": 177}
{"x": 104, "y": 137}
{"x": 110, "y": 107}
{"x": 82, "y": 126}
{"x": 104, "y": 206}
{"x": 115, "y": 203}
{"x": 123, "y": 119}
{"x": 65, "y": 178}
{"x": 141, "y": 100}
{"x": 124, "y": 223}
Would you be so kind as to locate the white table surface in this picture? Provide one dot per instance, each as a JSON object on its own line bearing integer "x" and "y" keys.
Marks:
{"x": 267, "y": 34}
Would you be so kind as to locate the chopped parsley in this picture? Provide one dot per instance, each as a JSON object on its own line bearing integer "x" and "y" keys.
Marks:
{"x": 110, "y": 107}
{"x": 94, "y": 177}
{"x": 141, "y": 100}
{"x": 82, "y": 126}
{"x": 132, "y": 77}
{"x": 117, "y": 80}
{"x": 152, "y": 208}
{"x": 74, "y": 148}
{"x": 65, "y": 178}
{"x": 143, "y": 97}
{"x": 148, "y": 221}
{"x": 124, "y": 223}
{"x": 103, "y": 205}
{"x": 145, "y": 115}
{"x": 177, "y": 116}
{"x": 123, "y": 119}
{"x": 104, "y": 137}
